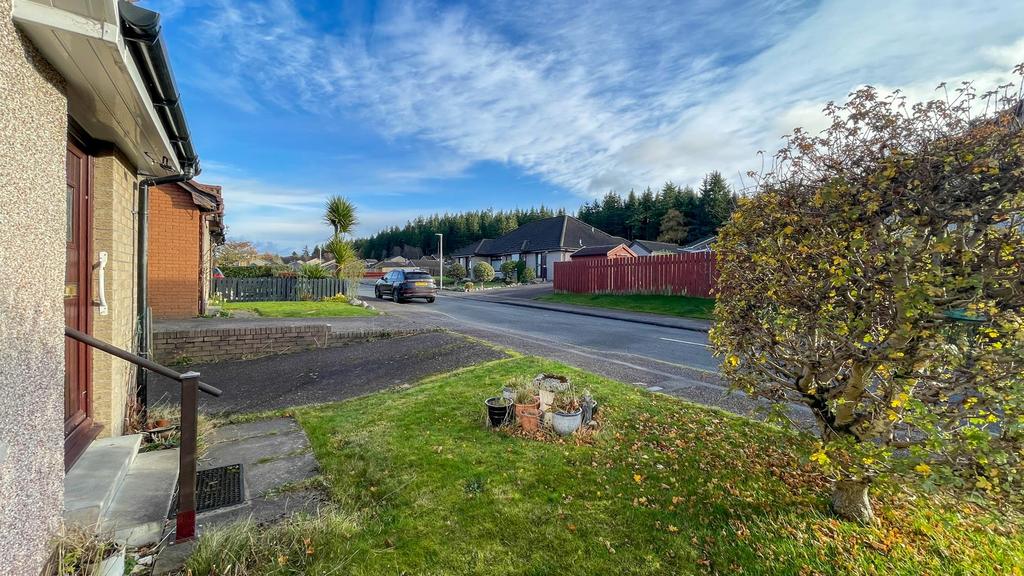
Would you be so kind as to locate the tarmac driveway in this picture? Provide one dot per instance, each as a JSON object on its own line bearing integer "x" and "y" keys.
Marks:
{"x": 328, "y": 374}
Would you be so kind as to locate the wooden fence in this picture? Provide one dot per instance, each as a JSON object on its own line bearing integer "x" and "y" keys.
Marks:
{"x": 692, "y": 274}
{"x": 275, "y": 289}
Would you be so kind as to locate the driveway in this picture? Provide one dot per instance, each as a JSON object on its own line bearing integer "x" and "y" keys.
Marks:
{"x": 327, "y": 375}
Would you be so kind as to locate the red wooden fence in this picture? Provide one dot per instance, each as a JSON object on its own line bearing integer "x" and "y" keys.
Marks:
{"x": 692, "y": 274}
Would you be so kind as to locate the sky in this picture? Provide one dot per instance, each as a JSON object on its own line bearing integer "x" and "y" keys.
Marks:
{"x": 412, "y": 108}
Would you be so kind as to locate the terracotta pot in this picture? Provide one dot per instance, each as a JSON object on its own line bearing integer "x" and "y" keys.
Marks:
{"x": 160, "y": 423}
{"x": 528, "y": 415}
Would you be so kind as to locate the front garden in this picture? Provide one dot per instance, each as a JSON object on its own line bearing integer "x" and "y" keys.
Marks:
{"x": 420, "y": 483}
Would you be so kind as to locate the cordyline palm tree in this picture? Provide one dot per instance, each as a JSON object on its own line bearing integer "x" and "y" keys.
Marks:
{"x": 341, "y": 215}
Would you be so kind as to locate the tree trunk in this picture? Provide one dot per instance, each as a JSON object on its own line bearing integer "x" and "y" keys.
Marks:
{"x": 850, "y": 501}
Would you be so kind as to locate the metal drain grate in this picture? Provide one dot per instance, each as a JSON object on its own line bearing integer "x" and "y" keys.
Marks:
{"x": 216, "y": 488}
{"x": 219, "y": 487}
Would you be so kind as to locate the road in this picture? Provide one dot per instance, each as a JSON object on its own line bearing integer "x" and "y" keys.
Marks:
{"x": 675, "y": 361}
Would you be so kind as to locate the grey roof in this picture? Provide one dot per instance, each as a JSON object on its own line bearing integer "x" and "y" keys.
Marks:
{"x": 652, "y": 246}
{"x": 556, "y": 233}
{"x": 599, "y": 250}
{"x": 699, "y": 245}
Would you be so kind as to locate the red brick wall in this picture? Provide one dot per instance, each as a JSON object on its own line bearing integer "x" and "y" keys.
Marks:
{"x": 174, "y": 252}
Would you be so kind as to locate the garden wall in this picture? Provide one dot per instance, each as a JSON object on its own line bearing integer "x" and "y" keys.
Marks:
{"x": 217, "y": 344}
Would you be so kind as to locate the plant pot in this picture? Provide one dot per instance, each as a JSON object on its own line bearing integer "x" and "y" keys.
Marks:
{"x": 528, "y": 416}
{"x": 112, "y": 565}
{"x": 551, "y": 382}
{"x": 499, "y": 411}
{"x": 546, "y": 398}
{"x": 565, "y": 423}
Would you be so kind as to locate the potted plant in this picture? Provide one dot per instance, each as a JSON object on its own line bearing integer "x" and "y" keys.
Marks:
{"x": 568, "y": 414}
{"x": 499, "y": 410}
{"x": 527, "y": 407}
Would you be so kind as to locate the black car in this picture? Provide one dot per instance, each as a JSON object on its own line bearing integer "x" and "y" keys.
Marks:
{"x": 402, "y": 285}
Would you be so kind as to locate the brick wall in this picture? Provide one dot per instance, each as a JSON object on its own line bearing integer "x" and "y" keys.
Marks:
{"x": 115, "y": 231}
{"x": 174, "y": 252}
{"x": 217, "y": 344}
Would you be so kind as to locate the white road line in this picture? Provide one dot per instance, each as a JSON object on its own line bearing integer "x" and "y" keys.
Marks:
{"x": 686, "y": 342}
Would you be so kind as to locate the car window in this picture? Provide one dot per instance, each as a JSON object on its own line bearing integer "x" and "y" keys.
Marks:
{"x": 417, "y": 276}
{"x": 398, "y": 275}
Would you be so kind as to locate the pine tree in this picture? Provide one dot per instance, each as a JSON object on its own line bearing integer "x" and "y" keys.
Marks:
{"x": 673, "y": 227}
{"x": 715, "y": 204}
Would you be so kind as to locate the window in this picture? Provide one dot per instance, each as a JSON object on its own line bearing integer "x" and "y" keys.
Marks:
{"x": 418, "y": 276}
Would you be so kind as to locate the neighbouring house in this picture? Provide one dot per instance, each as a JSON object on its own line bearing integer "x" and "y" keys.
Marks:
{"x": 540, "y": 243}
{"x": 604, "y": 252}
{"x": 430, "y": 263}
{"x": 702, "y": 245}
{"x": 91, "y": 122}
{"x": 394, "y": 263}
{"x": 648, "y": 247}
{"x": 186, "y": 222}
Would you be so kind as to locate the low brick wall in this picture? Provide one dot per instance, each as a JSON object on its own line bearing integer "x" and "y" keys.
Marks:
{"x": 217, "y": 344}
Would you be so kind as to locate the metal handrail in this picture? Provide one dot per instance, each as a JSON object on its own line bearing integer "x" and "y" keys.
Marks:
{"x": 134, "y": 358}
{"x": 185, "y": 528}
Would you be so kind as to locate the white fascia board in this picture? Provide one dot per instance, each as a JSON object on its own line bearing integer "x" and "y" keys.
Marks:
{"x": 106, "y": 74}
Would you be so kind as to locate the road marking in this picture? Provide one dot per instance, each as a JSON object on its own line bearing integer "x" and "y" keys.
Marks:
{"x": 686, "y": 342}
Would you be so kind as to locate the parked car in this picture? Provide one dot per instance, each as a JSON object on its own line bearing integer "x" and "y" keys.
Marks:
{"x": 403, "y": 285}
{"x": 217, "y": 273}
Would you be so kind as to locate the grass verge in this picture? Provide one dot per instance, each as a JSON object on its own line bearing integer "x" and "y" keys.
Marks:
{"x": 682, "y": 306}
{"x": 420, "y": 486}
{"x": 301, "y": 309}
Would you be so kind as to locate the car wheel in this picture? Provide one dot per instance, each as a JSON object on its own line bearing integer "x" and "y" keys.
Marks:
{"x": 394, "y": 296}
{"x": 376, "y": 292}
{"x": 430, "y": 300}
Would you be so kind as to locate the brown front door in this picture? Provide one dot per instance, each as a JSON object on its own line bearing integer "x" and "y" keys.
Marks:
{"x": 78, "y": 424}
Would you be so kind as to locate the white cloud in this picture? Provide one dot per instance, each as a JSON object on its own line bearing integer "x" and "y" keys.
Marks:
{"x": 592, "y": 96}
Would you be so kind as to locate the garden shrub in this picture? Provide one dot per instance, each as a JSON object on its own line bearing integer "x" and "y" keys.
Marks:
{"x": 483, "y": 272}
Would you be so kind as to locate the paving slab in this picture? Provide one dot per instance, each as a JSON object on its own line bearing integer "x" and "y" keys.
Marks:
{"x": 254, "y": 449}
{"x": 92, "y": 483}
{"x": 138, "y": 515}
{"x": 245, "y": 430}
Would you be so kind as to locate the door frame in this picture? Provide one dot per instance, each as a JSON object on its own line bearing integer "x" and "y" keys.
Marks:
{"x": 85, "y": 430}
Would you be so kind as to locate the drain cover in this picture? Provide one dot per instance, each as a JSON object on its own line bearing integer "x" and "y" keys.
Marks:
{"x": 217, "y": 488}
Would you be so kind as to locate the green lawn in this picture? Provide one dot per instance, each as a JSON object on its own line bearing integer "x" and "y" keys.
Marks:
{"x": 420, "y": 486}
{"x": 685, "y": 306}
{"x": 300, "y": 309}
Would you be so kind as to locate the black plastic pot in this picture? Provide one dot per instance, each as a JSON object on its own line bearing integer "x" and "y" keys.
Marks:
{"x": 498, "y": 413}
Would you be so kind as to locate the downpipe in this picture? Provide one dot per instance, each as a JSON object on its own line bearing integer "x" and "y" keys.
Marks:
{"x": 142, "y": 284}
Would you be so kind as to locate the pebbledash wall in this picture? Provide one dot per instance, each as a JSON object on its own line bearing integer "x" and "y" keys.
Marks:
{"x": 115, "y": 226}
{"x": 217, "y": 344}
{"x": 33, "y": 129}
{"x": 175, "y": 225}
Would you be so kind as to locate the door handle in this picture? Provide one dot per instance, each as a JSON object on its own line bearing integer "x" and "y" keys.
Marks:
{"x": 103, "y": 284}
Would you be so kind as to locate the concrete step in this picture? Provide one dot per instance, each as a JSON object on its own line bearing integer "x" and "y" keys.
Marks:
{"x": 138, "y": 514}
{"x": 92, "y": 483}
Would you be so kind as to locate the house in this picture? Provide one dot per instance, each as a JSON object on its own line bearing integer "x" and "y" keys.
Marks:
{"x": 604, "y": 252}
{"x": 648, "y": 247}
{"x": 540, "y": 243}
{"x": 702, "y": 245}
{"x": 430, "y": 263}
{"x": 92, "y": 123}
{"x": 186, "y": 222}
{"x": 395, "y": 263}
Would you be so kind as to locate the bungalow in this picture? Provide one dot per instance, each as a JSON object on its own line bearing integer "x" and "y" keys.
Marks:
{"x": 187, "y": 221}
{"x": 92, "y": 124}
{"x": 604, "y": 252}
{"x": 648, "y": 247}
{"x": 702, "y": 245}
{"x": 540, "y": 243}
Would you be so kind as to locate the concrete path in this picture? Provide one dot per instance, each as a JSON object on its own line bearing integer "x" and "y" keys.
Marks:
{"x": 277, "y": 463}
{"x": 328, "y": 374}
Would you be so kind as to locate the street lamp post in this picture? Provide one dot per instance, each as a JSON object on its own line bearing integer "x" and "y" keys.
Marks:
{"x": 440, "y": 255}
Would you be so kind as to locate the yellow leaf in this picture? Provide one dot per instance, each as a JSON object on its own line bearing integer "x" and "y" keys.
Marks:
{"x": 923, "y": 469}
{"x": 638, "y": 478}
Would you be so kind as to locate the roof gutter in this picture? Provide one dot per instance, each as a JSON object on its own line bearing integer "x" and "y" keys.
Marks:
{"x": 141, "y": 31}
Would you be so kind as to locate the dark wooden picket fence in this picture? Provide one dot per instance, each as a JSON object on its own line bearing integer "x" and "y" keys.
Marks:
{"x": 692, "y": 274}
{"x": 276, "y": 289}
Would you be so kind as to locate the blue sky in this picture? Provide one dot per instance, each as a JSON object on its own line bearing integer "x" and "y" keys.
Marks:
{"x": 410, "y": 108}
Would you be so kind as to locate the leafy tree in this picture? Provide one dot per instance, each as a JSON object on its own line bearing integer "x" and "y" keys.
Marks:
{"x": 673, "y": 227}
{"x": 234, "y": 253}
{"x": 877, "y": 277}
{"x": 455, "y": 271}
{"x": 483, "y": 272}
{"x": 508, "y": 271}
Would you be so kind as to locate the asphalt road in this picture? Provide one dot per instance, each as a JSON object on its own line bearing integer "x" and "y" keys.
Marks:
{"x": 675, "y": 361}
